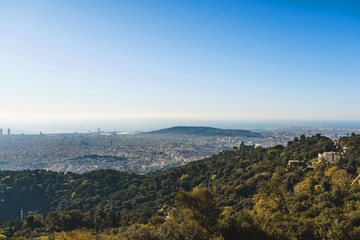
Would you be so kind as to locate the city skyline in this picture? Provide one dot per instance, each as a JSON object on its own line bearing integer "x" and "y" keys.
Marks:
{"x": 70, "y": 64}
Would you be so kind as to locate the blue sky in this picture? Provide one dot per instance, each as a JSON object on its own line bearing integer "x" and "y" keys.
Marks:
{"x": 123, "y": 61}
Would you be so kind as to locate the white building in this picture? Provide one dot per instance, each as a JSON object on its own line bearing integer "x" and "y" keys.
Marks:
{"x": 331, "y": 157}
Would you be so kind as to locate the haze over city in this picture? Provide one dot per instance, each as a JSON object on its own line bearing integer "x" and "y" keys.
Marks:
{"x": 139, "y": 65}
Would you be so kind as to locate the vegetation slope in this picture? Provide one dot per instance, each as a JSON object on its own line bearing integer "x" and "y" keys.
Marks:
{"x": 232, "y": 195}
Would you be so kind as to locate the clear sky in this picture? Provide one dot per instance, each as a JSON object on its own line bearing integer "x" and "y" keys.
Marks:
{"x": 70, "y": 62}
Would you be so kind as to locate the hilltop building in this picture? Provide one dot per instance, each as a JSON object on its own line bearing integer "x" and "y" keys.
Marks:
{"x": 242, "y": 146}
{"x": 332, "y": 157}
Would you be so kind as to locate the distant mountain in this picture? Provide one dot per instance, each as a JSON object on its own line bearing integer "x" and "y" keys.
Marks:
{"x": 206, "y": 131}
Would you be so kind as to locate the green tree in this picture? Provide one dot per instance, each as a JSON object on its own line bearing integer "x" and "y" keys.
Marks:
{"x": 199, "y": 205}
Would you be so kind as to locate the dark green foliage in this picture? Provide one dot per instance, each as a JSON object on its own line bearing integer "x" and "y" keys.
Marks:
{"x": 351, "y": 160}
{"x": 200, "y": 206}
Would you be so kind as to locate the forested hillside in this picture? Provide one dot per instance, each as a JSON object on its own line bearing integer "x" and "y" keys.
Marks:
{"x": 250, "y": 194}
{"x": 205, "y": 131}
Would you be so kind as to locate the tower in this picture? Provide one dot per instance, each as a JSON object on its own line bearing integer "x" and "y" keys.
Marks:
{"x": 8, "y": 131}
{"x": 1, "y": 131}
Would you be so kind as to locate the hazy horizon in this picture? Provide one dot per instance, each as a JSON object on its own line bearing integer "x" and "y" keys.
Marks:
{"x": 155, "y": 124}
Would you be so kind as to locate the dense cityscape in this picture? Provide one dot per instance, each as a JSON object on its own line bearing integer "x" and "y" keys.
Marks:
{"x": 140, "y": 153}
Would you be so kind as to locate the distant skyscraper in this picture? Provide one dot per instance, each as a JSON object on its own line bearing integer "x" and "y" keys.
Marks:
{"x": 1, "y": 132}
{"x": 9, "y": 131}
{"x": 98, "y": 130}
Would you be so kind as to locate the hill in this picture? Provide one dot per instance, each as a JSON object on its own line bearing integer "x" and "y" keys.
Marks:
{"x": 248, "y": 194}
{"x": 206, "y": 131}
